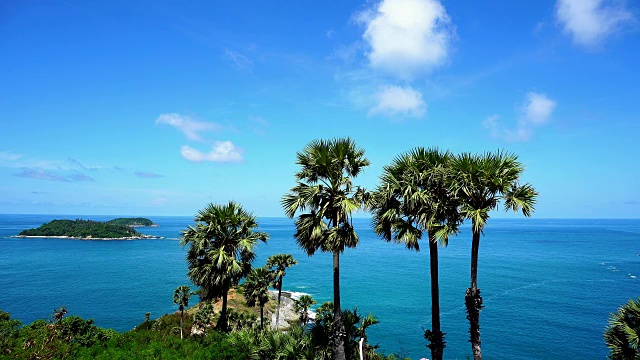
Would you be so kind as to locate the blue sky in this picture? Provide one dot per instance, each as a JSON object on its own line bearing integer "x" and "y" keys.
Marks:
{"x": 158, "y": 108}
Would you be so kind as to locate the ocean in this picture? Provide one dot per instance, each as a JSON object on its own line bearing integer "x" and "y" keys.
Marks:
{"x": 548, "y": 285}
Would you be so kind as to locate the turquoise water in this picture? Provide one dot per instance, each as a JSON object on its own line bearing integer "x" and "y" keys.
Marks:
{"x": 548, "y": 285}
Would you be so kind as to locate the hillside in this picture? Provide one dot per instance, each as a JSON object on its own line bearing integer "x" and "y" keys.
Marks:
{"x": 133, "y": 222}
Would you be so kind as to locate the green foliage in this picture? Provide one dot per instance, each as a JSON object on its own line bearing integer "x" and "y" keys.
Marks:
{"x": 181, "y": 296}
{"x": 82, "y": 229}
{"x": 240, "y": 319}
{"x": 355, "y": 327}
{"x": 204, "y": 317}
{"x": 325, "y": 195}
{"x": 221, "y": 247}
{"x": 415, "y": 197}
{"x": 155, "y": 345}
{"x": 42, "y": 340}
{"x": 622, "y": 335}
{"x": 75, "y": 338}
{"x": 9, "y": 331}
{"x": 135, "y": 222}
{"x": 280, "y": 263}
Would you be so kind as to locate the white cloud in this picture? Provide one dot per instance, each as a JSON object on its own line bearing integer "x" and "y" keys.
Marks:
{"x": 407, "y": 37}
{"x": 191, "y": 128}
{"x": 396, "y": 100}
{"x": 222, "y": 151}
{"x": 536, "y": 111}
{"x": 589, "y": 22}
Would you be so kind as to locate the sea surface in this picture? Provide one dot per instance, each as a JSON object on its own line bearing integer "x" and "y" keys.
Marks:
{"x": 548, "y": 285}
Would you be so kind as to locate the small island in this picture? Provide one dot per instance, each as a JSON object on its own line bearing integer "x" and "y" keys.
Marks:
{"x": 133, "y": 222}
{"x": 87, "y": 230}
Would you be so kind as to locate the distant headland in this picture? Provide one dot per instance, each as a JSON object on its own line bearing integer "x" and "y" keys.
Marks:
{"x": 116, "y": 229}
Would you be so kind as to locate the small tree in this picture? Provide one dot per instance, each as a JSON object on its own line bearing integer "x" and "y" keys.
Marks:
{"x": 147, "y": 318}
{"x": 622, "y": 336}
{"x": 59, "y": 313}
{"x": 301, "y": 307}
{"x": 280, "y": 263}
{"x": 181, "y": 296}
{"x": 256, "y": 289}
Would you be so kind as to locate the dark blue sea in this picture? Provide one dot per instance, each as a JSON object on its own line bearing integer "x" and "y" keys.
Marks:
{"x": 548, "y": 285}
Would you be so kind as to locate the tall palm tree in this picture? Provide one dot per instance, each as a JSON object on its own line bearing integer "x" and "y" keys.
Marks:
{"x": 482, "y": 182}
{"x": 221, "y": 250}
{"x": 181, "y": 296}
{"x": 301, "y": 306}
{"x": 622, "y": 335}
{"x": 414, "y": 198}
{"x": 256, "y": 289}
{"x": 326, "y": 197}
{"x": 281, "y": 262}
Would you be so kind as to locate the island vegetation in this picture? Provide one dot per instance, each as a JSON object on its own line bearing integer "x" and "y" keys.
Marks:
{"x": 133, "y": 222}
{"x": 423, "y": 193}
{"x": 84, "y": 229}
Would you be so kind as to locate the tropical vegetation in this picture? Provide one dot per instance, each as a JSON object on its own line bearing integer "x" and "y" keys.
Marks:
{"x": 414, "y": 197}
{"x": 622, "y": 335}
{"x": 325, "y": 198}
{"x": 425, "y": 193}
{"x": 220, "y": 250}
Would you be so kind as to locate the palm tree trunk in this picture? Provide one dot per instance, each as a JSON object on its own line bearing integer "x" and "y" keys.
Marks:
{"x": 473, "y": 300}
{"x": 278, "y": 307}
{"x": 437, "y": 344}
{"x": 338, "y": 326}
{"x": 222, "y": 322}
{"x": 181, "y": 317}
{"x": 261, "y": 316}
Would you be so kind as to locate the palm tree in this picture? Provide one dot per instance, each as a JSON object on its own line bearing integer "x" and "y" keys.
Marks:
{"x": 221, "y": 250}
{"x": 482, "y": 182}
{"x": 281, "y": 262}
{"x": 414, "y": 198}
{"x": 326, "y": 198}
{"x": 181, "y": 296}
{"x": 365, "y": 350}
{"x": 256, "y": 289}
{"x": 302, "y": 306}
{"x": 622, "y": 335}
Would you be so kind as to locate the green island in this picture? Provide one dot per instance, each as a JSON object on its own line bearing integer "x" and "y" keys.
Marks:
{"x": 133, "y": 222}
{"x": 86, "y": 229}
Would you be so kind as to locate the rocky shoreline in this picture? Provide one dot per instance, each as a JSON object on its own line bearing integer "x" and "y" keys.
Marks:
{"x": 287, "y": 312}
